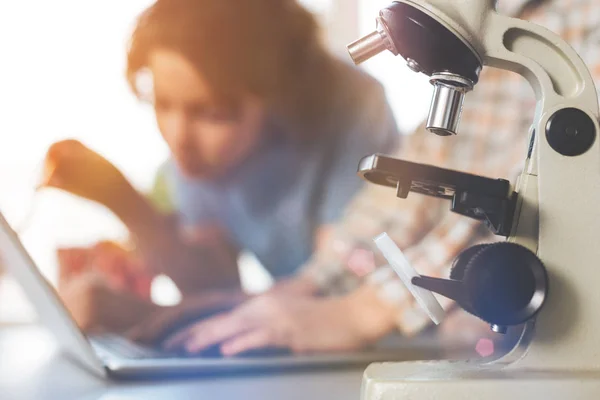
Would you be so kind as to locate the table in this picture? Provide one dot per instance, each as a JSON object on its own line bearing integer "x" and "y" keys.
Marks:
{"x": 32, "y": 368}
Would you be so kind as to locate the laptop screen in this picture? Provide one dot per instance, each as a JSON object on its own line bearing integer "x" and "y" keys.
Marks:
{"x": 50, "y": 310}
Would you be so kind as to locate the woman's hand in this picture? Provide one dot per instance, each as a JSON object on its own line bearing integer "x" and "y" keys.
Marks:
{"x": 165, "y": 320}
{"x": 121, "y": 268}
{"x": 97, "y": 307}
{"x": 104, "y": 287}
{"x": 202, "y": 306}
{"x": 72, "y": 167}
{"x": 277, "y": 320}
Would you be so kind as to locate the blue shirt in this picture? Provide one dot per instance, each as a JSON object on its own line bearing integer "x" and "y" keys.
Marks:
{"x": 274, "y": 202}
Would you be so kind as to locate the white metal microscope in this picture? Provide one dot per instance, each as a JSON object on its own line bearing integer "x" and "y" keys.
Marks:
{"x": 551, "y": 216}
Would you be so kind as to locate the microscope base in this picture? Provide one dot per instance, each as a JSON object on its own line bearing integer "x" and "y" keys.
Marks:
{"x": 443, "y": 380}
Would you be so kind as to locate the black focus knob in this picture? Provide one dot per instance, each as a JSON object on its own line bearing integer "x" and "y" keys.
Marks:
{"x": 459, "y": 266}
{"x": 504, "y": 284}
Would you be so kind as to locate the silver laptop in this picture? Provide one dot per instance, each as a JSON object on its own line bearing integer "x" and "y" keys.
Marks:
{"x": 112, "y": 356}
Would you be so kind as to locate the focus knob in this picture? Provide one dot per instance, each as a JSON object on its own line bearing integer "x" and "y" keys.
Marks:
{"x": 461, "y": 262}
{"x": 504, "y": 283}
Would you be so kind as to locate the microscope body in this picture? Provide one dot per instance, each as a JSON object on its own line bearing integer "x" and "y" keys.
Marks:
{"x": 556, "y": 209}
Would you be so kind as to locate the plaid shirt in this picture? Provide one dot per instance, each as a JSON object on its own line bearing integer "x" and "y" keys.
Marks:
{"x": 492, "y": 141}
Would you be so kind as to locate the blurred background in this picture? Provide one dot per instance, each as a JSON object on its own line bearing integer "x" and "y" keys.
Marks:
{"x": 62, "y": 76}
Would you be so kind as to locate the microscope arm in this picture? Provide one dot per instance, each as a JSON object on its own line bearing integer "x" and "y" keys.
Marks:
{"x": 554, "y": 187}
{"x": 555, "y": 71}
{"x": 559, "y": 78}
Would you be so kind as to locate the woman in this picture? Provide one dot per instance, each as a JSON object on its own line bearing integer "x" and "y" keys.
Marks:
{"x": 265, "y": 130}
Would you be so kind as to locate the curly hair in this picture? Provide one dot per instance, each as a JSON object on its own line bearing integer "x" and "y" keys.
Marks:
{"x": 268, "y": 48}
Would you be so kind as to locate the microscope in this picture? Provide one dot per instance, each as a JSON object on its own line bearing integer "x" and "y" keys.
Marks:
{"x": 543, "y": 280}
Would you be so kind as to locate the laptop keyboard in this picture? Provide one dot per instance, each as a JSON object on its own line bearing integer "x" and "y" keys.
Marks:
{"x": 126, "y": 348}
{"x": 122, "y": 347}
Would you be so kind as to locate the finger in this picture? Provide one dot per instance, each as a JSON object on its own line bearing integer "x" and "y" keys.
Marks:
{"x": 204, "y": 331}
{"x": 207, "y": 333}
{"x": 57, "y": 163}
{"x": 62, "y": 148}
{"x": 217, "y": 331}
{"x": 179, "y": 339}
{"x": 49, "y": 176}
{"x": 253, "y": 340}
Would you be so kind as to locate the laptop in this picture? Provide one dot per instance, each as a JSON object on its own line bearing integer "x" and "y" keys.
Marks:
{"x": 115, "y": 357}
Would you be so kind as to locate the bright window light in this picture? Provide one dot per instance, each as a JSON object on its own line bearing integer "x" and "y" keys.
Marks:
{"x": 62, "y": 76}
